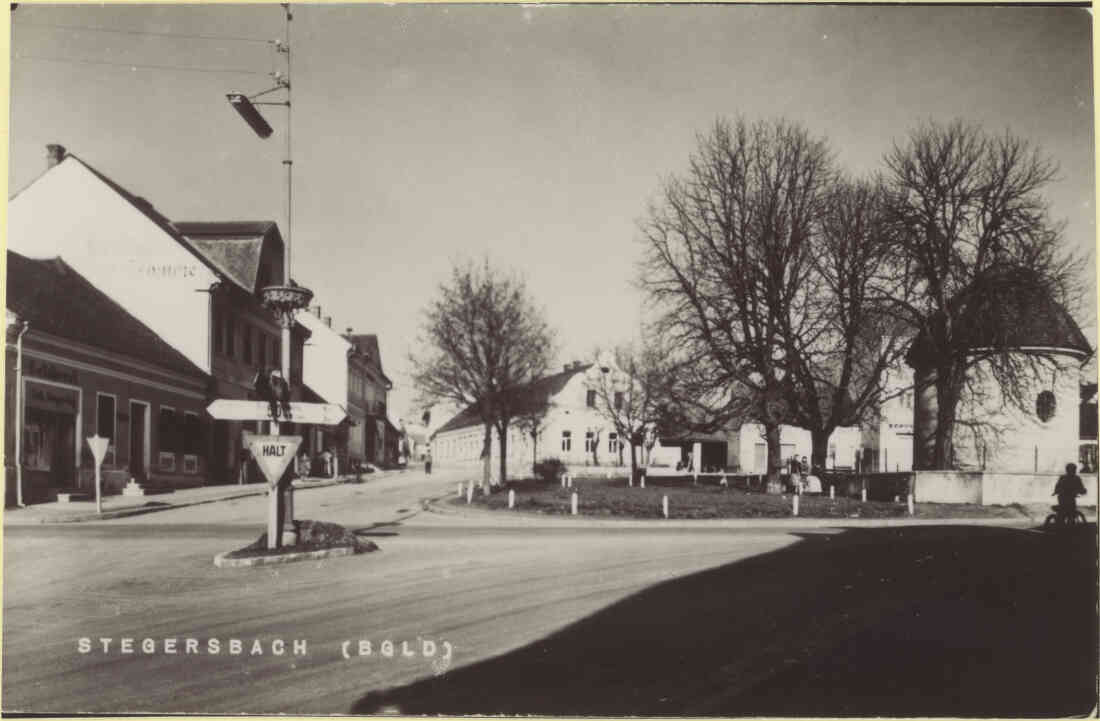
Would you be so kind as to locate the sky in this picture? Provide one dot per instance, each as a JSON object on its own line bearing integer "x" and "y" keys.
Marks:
{"x": 532, "y": 135}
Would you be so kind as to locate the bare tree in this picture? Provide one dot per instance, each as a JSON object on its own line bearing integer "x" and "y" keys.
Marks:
{"x": 840, "y": 336}
{"x": 531, "y": 418}
{"x": 727, "y": 255}
{"x": 629, "y": 384}
{"x": 971, "y": 225}
{"x": 482, "y": 336}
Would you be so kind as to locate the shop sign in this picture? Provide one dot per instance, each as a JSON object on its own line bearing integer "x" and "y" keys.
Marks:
{"x": 48, "y": 398}
{"x": 49, "y": 371}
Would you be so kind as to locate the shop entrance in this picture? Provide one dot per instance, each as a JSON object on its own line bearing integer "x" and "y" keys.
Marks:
{"x": 139, "y": 440}
{"x": 49, "y": 439}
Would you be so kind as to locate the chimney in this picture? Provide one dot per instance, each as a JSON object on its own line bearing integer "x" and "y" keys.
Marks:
{"x": 54, "y": 154}
{"x": 328, "y": 320}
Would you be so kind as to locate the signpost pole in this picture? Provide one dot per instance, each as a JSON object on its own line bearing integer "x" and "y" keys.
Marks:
{"x": 98, "y": 445}
{"x": 274, "y": 537}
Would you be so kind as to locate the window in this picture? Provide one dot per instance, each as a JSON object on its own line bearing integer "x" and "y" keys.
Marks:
{"x": 219, "y": 330}
{"x": 167, "y": 432}
{"x": 612, "y": 442}
{"x": 246, "y": 342}
{"x": 1045, "y": 406}
{"x": 192, "y": 434}
{"x": 567, "y": 441}
{"x": 618, "y": 400}
{"x": 589, "y": 441}
{"x": 230, "y": 332}
{"x": 590, "y": 399}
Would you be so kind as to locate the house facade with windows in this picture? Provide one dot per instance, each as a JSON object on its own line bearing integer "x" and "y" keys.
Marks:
{"x": 196, "y": 286}
{"x": 368, "y": 392}
{"x": 77, "y": 365}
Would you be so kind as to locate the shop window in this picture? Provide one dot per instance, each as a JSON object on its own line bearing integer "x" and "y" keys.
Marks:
{"x": 566, "y": 441}
{"x": 167, "y": 431}
{"x": 166, "y": 462}
{"x": 192, "y": 434}
{"x": 190, "y": 464}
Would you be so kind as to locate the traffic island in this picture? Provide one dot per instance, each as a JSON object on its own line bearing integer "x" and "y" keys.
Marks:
{"x": 316, "y": 539}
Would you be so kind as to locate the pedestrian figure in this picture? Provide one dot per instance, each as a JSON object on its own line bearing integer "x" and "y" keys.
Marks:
{"x": 428, "y": 463}
{"x": 326, "y": 462}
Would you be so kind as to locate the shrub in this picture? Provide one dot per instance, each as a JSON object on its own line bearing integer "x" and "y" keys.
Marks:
{"x": 549, "y": 470}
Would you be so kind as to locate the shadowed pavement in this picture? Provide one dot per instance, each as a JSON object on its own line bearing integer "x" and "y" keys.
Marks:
{"x": 937, "y": 621}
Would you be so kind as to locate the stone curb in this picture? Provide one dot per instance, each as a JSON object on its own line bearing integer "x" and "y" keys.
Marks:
{"x": 222, "y": 560}
{"x": 140, "y": 510}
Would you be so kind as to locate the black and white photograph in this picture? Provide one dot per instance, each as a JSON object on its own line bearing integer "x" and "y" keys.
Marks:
{"x": 514, "y": 359}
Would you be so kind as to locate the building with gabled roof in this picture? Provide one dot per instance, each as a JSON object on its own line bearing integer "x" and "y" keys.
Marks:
{"x": 196, "y": 285}
{"x": 85, "y": 366}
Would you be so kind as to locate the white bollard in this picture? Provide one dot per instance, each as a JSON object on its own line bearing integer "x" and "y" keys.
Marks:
{"x": 642, "y": 480}
{"x": 832, "y": 492}
{"x": 470, "y": 493}
{"x": 795, "y": 506}
{"x": 664, "y": 505}
{"x": 722, "y": 481}
{"x": 511, "y": 498}
{"x": 461, "y": 489}
{"x": 910, "y": 504}
{"x": 563, "y": 480}
{"x": 569, "y": 481}
{"x": 574, "y": 502}
{"x": 863, "y": 495}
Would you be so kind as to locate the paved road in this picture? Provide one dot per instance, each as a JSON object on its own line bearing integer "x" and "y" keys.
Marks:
{"x": 544, "y": 618}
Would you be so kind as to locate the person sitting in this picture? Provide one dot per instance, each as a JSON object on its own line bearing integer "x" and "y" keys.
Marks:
{"x": 1068, "y": 487}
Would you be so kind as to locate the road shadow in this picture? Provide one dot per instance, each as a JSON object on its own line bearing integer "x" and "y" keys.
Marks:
{"x": 917, "y": 621}
{"x": 372, "y": 529}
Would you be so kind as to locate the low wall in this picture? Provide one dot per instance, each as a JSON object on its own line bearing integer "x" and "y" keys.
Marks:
{"x": 947, "y": 486}
{"x": 1005, "y": 488}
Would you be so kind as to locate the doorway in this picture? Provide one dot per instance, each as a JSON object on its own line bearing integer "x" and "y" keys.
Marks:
{"x": 139, "y": 440}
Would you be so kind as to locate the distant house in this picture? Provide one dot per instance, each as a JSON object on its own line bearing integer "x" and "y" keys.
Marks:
{"x": 368, "y": 395}
{"x": 90, "y": 367}
{"x": 1087, "y": 456}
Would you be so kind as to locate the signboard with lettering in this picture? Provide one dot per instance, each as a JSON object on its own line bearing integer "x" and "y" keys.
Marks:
{"x": 51, "y": 398}
{"x": 273, "y": 454}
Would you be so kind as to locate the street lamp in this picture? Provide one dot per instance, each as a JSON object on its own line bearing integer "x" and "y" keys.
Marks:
{"x": 288, "y": 298}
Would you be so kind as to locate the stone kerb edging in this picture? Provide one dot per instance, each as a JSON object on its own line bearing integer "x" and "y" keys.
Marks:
{"x": 222, "y": 560}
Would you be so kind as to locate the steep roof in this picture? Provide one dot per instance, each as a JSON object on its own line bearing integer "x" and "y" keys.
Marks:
{"x": 537, "y": 392}
{"x": 367, "y": 345}
{"x": 235, "y": 247}
{"x": 56, "y": 299}
{"x": 1010, "y": 308}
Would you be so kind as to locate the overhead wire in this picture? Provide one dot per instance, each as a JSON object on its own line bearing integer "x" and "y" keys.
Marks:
{"x": 143, "y": 66}
{"x": 146, "y": 32}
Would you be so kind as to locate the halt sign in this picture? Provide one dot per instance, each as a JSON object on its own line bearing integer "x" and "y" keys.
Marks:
{"x": 273, "y": 454}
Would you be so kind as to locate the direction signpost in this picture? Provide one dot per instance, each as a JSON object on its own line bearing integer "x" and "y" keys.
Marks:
{"x": 274, "y": 452}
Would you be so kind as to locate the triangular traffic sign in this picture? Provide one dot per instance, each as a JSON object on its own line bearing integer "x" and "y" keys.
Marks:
{"x": 273, "y": 454}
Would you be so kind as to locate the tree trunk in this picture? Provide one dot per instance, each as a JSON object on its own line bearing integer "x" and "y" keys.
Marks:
{"x": 947, "y": 396}
{"x": 487, "y": 457}
{"x": 633, "y": 461}
{"x": 534, "y": 451}
{"x": 775, "y": 456}
{"x": 504, "y": 455}
{"x": 820, "y": 452}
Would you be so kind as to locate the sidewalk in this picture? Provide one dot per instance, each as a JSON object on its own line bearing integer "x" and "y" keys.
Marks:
{"x": 119, "y": 506}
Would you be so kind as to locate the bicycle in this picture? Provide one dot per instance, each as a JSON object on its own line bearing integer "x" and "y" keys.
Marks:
{"x": 1064, "y": 518}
